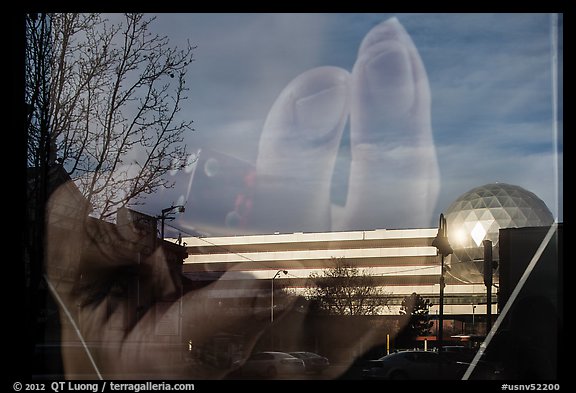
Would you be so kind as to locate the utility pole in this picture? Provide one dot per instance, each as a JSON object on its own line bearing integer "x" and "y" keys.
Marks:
{"x": 166, "y": 215}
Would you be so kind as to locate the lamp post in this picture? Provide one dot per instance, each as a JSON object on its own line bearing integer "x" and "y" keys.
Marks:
{"x": 488, "y": 266}
{"x": 479, "y": 236}
{"x": 272, "y": 293}
{"x": 272, "y": 306}
{"x": 473, "y": 322}
{"x": 444, "y": 248}
{"x": 166, "y": 215}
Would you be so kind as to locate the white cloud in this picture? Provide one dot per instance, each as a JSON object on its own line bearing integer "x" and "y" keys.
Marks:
{"x": 489, "y": 75}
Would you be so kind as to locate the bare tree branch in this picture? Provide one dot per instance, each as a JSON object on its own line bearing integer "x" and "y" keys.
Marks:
{"x": 344, "y": 290}
{"x": 116, "y": 94}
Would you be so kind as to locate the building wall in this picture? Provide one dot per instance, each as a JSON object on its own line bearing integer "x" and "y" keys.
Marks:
{"x": 403, "y": 262}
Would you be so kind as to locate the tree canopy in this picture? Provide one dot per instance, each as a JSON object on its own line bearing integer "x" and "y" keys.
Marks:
{"x": 416, "y": 309}
{"x": 104, "y": 99}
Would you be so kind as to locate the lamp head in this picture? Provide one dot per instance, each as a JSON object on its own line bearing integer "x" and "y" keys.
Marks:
{"x": 442, "y": 244}
{"x": 441, "y": 239}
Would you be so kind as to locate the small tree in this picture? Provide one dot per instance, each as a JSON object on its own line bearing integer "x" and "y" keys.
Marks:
{"x": 346, "y": 290}
{"x": 415, "y": 308}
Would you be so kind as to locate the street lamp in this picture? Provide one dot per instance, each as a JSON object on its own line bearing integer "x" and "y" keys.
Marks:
{"x": 166, "y": 216}
{"x": 473, "y": 322}
{"x": 489, "y": 264}
{"x": 444, "y": 248}
{"x": 272, "y": 293}
{"x": 478, "y": 234}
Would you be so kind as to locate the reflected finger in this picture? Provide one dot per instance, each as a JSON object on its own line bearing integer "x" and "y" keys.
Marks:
{"x": 394, "y": 172}
{"x": 297, "y": 152}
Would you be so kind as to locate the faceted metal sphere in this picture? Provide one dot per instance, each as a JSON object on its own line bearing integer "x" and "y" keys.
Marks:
{"x": 478, "y": 215}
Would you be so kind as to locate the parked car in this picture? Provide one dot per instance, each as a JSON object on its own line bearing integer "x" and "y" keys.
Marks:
{"x": 459, "y": 353}
{"x": 313, "y": 362}
{"x": 414, "y": 364}
{"x": 269, "y": 364}
{"x": 483, "y": 368}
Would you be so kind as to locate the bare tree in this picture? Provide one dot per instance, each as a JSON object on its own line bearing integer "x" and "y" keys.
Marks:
{"x": 112, "y": 101}
{"x": 346, "y": 290}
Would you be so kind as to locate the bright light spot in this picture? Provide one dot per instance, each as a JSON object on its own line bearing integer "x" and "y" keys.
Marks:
{"x": 459, "y": 236}
{"x": 478, "y": 233}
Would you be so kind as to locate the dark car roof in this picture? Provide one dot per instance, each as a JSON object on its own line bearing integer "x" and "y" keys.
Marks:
{"x": 303, "y": 353}
{"x": 275, "y": 353}
{"x": 407, "y": 353}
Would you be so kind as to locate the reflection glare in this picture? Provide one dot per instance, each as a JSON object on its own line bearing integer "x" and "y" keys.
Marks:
{"x": 478, "y": 233}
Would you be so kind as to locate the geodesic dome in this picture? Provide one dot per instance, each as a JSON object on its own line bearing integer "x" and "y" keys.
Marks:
{"x": 479, "y": 214}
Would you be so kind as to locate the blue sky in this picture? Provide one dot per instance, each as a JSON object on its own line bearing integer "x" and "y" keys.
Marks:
{"x": 490, "y": 78}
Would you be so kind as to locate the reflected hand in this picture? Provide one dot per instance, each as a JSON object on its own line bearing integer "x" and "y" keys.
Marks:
{"x": 120, "y": 304}
{"x": 109, "y": 333}
{"x": 394, "y": 178}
